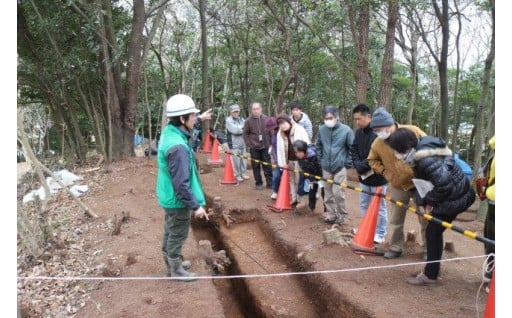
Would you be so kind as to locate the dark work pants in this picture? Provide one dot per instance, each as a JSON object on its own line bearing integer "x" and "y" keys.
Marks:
{"x": 300, "y": 186}
{"x": 312, "y": 196}
{"x": 176, "y": 227}
{"x": 489, "y": 230}
{"x": 262, "y": 155}
{"x": 434, "y": 236}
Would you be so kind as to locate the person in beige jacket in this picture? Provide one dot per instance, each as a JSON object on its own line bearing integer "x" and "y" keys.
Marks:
{"x": 399, "y": 175}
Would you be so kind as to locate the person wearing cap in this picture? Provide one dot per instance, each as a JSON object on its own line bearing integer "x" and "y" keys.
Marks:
{"x": 258, "y": 142}
{"x": 289, "y": 132}
{"x": 271, "y": 128}
{"x": 398, "y": 173}
{"x": 235, "y": 138}
{"x": 368, "y": 180}
{"x": 178, "y": 187}
{"x": 333, "y": 145}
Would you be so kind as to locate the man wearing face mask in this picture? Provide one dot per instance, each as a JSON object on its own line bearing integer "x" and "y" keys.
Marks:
{"x": 333, "y": 144}
{"x": 399, "y": 175}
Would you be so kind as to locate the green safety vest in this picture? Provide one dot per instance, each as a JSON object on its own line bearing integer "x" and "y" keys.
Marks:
{"x": 165, "y": 193}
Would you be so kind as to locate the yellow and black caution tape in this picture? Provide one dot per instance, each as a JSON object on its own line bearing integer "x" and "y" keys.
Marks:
{"x": 412, "y": 209}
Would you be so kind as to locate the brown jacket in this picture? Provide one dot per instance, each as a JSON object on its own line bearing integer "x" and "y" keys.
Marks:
{"x": 383, "y": 161}
{"x": 253, "y": 128}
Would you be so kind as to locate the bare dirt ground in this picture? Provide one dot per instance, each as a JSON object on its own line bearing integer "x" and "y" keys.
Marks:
{"x": 129, "y": 274}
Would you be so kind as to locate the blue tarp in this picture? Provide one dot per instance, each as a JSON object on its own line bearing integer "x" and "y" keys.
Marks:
{"x": 138, "y": 139}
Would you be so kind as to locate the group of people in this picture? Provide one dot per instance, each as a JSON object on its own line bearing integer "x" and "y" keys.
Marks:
{"x": 384, "y": 154}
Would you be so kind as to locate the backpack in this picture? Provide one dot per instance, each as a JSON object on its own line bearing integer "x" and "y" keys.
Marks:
{"x": 464, "y": 166}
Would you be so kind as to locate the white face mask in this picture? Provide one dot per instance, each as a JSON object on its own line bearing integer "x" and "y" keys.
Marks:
{"x": 383, "y": 134}
{"x": 330, "y": 123}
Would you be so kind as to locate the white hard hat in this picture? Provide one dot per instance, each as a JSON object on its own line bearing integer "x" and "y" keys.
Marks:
{"x": 180, "y": 104}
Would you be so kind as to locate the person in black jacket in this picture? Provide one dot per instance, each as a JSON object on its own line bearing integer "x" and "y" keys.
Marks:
{"x": 368, "y": 180}
{"x": 448, "y": 194}
{"x": 308, "y": 162}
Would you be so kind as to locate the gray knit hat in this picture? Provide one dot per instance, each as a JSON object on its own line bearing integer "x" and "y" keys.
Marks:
{"x": 381, "y": 118}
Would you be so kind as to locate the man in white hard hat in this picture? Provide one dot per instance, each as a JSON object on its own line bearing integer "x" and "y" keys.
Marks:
{"x": 178, "y": 187}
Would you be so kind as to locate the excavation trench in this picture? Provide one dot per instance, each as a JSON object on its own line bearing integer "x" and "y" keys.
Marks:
{"x": 256, "y": 248}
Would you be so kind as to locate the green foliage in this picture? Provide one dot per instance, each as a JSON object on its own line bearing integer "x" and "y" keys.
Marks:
{"x": 60, "y": 65}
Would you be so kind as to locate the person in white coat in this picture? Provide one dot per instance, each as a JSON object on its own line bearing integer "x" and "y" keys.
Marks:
{"x": 289, "y": 132}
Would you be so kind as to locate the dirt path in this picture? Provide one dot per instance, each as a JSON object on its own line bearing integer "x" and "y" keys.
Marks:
{"x": 261, "y": 242}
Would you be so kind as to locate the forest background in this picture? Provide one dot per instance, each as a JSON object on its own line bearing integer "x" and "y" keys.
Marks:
{"x": 102, "y": 70}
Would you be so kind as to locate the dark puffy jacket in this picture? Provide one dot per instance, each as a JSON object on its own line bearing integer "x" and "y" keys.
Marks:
{"x": 359, "y": 151}
{"x": 310, "y": 164}
{"x": 452, "y": 193}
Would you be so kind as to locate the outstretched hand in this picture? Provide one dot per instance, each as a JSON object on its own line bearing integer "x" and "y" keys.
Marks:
{"x": 201, "y": 213}
{"x": 207, "y": 115}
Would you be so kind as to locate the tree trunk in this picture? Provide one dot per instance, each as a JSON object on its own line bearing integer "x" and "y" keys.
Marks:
{"x": 204, "y": 56}
{"x": 386, "y": 79}
{"x": 456, "y": 107}
{"x": 359, "y": 17}
{"x": 479, "y": 126}
{"x": 442, "y": 16}
{"x": 129, "y": 104}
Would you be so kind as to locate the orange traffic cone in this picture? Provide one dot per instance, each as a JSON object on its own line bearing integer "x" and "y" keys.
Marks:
{"x": 207, "y": 145}
{"x": 229, "y": 175}
{"x": 215, "y": 157}
{"x": 489, "y": 307}
{"x": 283, "y": 195}
{"x": 362, "y": 242}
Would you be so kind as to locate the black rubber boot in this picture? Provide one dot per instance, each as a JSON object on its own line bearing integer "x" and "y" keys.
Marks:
{"x": 177, "y": 270}
{"x": 186, "y": 264}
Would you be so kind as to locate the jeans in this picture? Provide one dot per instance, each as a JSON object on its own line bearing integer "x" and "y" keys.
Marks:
{"x": 261, "y": 155}
{"x": 364, "y": 203}
{"x": 176, "y": 227}
{"x": 397, "y": 219}
{"x": 276, "y": 179}
{"x": 434, "y": 234}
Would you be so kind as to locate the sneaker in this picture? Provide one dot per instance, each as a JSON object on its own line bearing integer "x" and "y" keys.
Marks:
{"x": 421, "y": 280}
{"x": 259, "y": 187}
{"x": 353, "y": 231}
{"x": 273, "y": 196}
{"x": 392, "y": 254}
{"x": 239, "y": 179}
{"x": 487, "y": 276}
{"x": 377, "y": 239}
{"x": 245, "y": 177}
